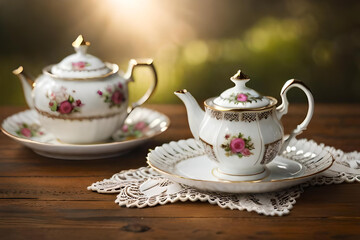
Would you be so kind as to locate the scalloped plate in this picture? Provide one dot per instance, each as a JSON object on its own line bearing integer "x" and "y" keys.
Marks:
{"x": 185, "y": 162}
{"x": 45, "y": 144}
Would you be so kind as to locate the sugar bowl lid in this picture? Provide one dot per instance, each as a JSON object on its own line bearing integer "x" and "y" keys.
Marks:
{"x": 240, "y": 96}
{"x": 81, "y": 65}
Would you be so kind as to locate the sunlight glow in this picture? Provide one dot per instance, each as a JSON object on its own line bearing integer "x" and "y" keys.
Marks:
{"x": 129, "y": 8}
{"x": 148, "y": 23}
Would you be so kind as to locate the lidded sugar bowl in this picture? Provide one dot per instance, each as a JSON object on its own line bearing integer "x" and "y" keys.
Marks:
{"x": 240, "y": 129}
{"x": 82, "y": 99}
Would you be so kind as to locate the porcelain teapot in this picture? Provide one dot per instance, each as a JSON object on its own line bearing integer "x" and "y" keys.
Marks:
{"x": 241, "y": 129}
{"x": 82, "y": 99}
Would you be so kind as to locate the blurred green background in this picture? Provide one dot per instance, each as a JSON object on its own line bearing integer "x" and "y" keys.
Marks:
{"x": 196, "y": 45}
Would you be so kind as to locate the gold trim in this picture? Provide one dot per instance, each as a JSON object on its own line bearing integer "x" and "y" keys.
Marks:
{"x": 252, "y": 181}
{"x": 183, "y": 91}
{"x": 63, "y": 144}
{"x": 46, "y": 114}
{"x": 93, "y": 143}
{"x": 80, "y": 41}
{"x": 221, "y": 172}
{"x": 17, "y": 71}
{"x": 146, "y": 62}
{"x": 293, "y": 81}
{"x": 20, "y": 139}
{"x": 112, "y": 66}
{"x": 256, "y": 180}
{"x": 211, "y": 154}
{"x": 20, "y": 72}
{"x": 205, "y": 142}
{"x": 240, "y": 76}
{"x": 264, "y": 159}
{"x": 272, "y": 104}
{"x": 87, "y": 70}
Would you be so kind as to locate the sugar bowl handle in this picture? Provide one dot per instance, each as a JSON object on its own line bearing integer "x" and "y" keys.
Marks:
{"x": 283, "y": 108}
{"x": 129, "y": 77}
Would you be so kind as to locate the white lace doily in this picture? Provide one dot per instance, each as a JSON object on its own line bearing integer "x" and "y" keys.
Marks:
{"x": 144, "y": 187}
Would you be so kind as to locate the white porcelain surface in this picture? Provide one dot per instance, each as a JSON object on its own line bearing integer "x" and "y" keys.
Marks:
{"x": 241, "y": 96}
{"x": 77, "y": 131}
{"x": 80, "y": 64}
{"x": 257, "y": 135}
{"x": 185, "y": 162}
{"x": 83, "y": 99}
{"x": 245, "y": 134}
{"x": 121, "y": 142}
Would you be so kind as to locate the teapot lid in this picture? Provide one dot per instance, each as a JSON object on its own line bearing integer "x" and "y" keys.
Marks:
{"x": 240, "y": 96}
{"x": 81, "y": 64}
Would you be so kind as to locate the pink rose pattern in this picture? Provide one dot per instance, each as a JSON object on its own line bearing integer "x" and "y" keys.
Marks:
{"x": 29, "y": 130}
{"x": 113, "y": 95}
{"x": 243, "y": 98}
{"x": 238, "y": 145}
{"x": 135, "y": 130}
{"x": 79, "y": 65}
{"x": 62, "y": 102}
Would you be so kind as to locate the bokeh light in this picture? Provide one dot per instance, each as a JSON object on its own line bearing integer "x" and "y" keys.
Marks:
{"x": 196, "y": 45}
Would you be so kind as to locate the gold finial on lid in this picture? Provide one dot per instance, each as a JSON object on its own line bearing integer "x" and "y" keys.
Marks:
{"x": 80, "y": 41}
{"x": 240, "y": 76}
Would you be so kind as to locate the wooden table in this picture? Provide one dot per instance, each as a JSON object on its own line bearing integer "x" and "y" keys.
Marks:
{"x": 43, "y": 198}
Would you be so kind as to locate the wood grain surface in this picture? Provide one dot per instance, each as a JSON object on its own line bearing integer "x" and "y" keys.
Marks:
{"x": 43, "y": 198}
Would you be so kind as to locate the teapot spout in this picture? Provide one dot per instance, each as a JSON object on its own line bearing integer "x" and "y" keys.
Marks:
{"x": 194, "y": 112}
{"x": 27, "y": 84}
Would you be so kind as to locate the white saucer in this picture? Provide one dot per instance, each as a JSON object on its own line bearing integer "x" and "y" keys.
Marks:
{"x": 46, "y": 144}
{"x": 185, "y": 162}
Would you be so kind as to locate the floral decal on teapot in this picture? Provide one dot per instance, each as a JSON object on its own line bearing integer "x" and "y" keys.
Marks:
{"x": 113, "y": 95}
{"x": 61, "y": 101}
{"x": 243, "y": 98}
{"x": 238, "y": 145}
{"x": 79, "y": 65}
{"x": 29, "y": 130}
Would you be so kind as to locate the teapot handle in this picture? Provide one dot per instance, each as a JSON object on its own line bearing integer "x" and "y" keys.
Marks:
{"x": 129, "y": 77}
{"x": 283, "y": 108}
